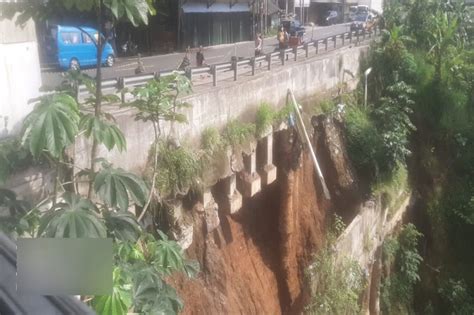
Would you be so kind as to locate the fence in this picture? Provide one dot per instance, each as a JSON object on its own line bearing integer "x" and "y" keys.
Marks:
{"x": 281, "y": 56}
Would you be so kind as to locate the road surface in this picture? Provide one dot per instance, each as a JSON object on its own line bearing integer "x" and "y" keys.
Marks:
{"x": 215, "y": 54}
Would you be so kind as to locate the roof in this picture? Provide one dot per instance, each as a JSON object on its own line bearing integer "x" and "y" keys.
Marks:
{"x": 200, "y": 7}
{"x": 75, "y": 29}
{"x": 13, "y": 303}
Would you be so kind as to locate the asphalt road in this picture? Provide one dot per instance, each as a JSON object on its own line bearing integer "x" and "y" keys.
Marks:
{"x": 214, "y": 54}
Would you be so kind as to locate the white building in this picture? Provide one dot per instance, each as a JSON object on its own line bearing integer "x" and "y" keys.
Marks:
{"x": 20, "y": 74}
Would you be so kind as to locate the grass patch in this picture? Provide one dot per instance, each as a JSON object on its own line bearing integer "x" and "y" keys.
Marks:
{"x": 238, "y": 133}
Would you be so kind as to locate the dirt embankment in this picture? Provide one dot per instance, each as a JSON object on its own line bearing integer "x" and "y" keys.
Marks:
{"x": 254, "y": 262}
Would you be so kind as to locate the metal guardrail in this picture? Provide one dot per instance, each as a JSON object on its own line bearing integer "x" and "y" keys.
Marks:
{"x": 216, "y": 69}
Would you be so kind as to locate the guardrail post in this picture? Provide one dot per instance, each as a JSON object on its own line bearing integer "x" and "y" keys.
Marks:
{"x": 120, "y": 87}
{"x": 295, "y": 53}
{"x": 234, "y": 66}
{"x": 363, "y": 34}
{"x": 326, "y": 43}
{"x": 358, "y": 32}
{"x": 269, "y": 60}
{"x": 350, "y": 37}
{"x": 188, "y": 73}
{"x": 214, "y": 75}
{"x": 156, "y": 75}
{"x": 343, "y": 38}
{"x": 252, "y": 64}
{"x": 335, "y": 41}
{"x": 316, "y": 45}
{"x": 282, "y": 57}
{"x": 306, "y": 50}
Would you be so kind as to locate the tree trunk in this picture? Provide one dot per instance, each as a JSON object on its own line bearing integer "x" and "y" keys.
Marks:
{"x": 98, "y": 92}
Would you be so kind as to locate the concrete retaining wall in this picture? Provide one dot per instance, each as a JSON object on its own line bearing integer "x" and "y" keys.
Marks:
{"x": 216, "y": 106}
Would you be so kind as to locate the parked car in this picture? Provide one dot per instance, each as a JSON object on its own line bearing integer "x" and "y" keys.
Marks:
{"x": 75, "y": 47}
{"x": 332, "y": 17}
{"x": 363, "y": 22}
{"x": 293, "y": 27}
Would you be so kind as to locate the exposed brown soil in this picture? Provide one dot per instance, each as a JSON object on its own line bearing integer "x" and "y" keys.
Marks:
{"x": 254, "y": 262}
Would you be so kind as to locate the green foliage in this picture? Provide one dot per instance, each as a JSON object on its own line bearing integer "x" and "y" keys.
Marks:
{"x": 327, "y": 106}
{"x": 238, "y": 133}
{"x": 157, "y": 100}
{"x": 17, "y": 218}
{"x": 264, "y": 119}
{"x": 52, "y": 125}
{"x": 115, "y": 185}
{"x": 456, "y": 294}
{"x": 75, "y": 217}
{"x": 336, "y": 282}
{"x": 138, "y": 278}
{"x": 212, "y": 141}
{"x": 391, "y": 187}
{"x": 136, "y": 11}
{"x": 401, "y": 254}
{"x": 392, "y": 117}
{"x": 13, "y": 158}
{"x": 179, "y": 169}
{"x": 364, "y": 143}
{"x": 122, "y": 226}
{"x": 103, "y": 131}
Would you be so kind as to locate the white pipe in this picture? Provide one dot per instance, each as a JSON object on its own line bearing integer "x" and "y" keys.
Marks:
{"x": 310, "y": 146}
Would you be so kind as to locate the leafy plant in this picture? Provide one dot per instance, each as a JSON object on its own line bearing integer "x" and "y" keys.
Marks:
{"x": 75, "y": 217}
{"x": 114, "y": 185}
{"x": 52, "y": 125}
{"x": 103, "y": 131}
{"x": 264, "y": 119}
{"x": 238, "y": 133}
{"x": 158, "y": 102}
{"x": 402, "y": 255}
{"x": 179, "y": 169}
{"x": 14, "y": 157}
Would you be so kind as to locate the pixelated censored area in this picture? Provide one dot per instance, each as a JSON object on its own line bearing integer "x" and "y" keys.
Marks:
{"x": 51, "y": 266}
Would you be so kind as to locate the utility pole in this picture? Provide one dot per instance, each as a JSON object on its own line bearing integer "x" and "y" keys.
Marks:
{"x": 286, "y": 8}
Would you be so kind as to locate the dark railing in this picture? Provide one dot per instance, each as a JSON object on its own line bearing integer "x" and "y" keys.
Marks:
{"x": 119, "y": 84}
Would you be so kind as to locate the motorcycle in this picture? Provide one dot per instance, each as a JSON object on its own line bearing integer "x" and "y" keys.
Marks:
{"x": 129, "y": 48}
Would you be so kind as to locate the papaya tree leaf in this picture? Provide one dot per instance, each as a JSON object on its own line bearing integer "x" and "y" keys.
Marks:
{"x": 104, "y": 131}
{"x": 122, "y": 225}
{"x": 115, "y": 304}
{"x": 115, "y": 185}
{"x": 75, "y": 217}
{"x": 52, "y": 125}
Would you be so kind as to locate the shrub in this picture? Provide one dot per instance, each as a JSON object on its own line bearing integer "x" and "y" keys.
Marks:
{"x": 238, "y": 133}
{"x": 264, "y": 119}
{"x": 178, "y": 169}
{"x": 364, "y": 143}
{"x": 402, "y": 255}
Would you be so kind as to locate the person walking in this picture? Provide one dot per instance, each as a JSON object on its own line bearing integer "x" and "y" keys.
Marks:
{"x": 282, "y": 38}
{"x": 258, "y": 45}
{"x": 185, "y": 63}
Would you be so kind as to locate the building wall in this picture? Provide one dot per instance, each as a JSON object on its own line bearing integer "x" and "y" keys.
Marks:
{"x": 20, "y": 74}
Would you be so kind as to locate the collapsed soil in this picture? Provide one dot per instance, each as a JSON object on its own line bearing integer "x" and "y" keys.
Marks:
{"x": 254, "y": 262}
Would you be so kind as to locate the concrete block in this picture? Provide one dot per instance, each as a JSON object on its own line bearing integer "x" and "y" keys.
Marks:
{"x": 212, "y": 217}
{"x": 250, "y": 184}
{"x": 269, "y": 174}
{"x": 232, "y": 203}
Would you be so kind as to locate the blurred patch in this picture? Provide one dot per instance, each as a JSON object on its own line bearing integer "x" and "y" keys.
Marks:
{"x": 67, "y": 266}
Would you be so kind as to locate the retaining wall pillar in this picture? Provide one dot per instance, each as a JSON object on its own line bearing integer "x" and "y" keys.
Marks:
{"x": 251, "y": 182}
{"x": 268, "y": 171}
{"x": 233, "y": 200}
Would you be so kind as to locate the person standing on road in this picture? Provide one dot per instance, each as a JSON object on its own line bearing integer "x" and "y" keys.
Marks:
{"x": 199, "y": 57}
{"x": 282, "y": 38}
{"x": 258, "y": 45}
{"x": 185, "y": 63}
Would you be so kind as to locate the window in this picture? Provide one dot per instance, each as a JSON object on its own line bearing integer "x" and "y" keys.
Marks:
{"x": 70, "y": 37}
{"x": 86, "y": 38}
